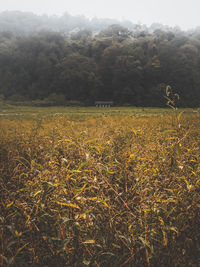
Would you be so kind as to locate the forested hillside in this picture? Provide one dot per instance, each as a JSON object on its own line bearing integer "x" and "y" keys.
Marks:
{"x": 126, "y": 63}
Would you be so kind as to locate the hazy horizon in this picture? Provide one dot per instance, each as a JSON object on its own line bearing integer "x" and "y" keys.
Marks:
{"x": 172, "y": 13}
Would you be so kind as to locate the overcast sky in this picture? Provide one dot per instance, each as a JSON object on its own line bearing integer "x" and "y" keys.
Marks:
{"x": 183, "y": 13}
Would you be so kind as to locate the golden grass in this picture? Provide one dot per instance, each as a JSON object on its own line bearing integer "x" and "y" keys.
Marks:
{"x": 91, "y": 191}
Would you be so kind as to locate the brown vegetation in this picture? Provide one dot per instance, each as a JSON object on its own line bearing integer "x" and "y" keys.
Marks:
{"x": 110, "y": 191}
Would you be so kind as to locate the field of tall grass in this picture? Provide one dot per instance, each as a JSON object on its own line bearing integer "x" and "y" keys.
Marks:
{"x": 99, "y": 187}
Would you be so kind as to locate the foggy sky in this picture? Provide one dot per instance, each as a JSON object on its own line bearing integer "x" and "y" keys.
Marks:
{"x": 183, "y": 13}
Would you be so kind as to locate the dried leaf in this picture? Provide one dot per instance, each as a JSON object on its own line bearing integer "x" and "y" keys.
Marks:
{"x": 71, "y": 205}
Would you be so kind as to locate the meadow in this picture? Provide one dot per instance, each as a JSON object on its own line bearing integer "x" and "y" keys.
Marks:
{"x": 99, "y": 187}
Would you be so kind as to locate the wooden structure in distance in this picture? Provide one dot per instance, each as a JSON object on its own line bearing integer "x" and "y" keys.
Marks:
{"x": 103, "y": 104}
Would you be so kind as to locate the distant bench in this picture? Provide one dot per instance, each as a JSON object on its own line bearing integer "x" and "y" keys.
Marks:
{"x": 103, "y": 104}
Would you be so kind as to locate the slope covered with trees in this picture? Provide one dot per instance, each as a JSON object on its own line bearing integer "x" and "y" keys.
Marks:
{"x": 129, "y": 65}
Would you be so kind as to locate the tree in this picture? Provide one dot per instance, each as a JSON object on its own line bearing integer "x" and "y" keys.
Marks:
{"x": 78, "y": 78}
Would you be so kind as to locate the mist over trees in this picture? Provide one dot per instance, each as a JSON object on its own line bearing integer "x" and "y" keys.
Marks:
{"x": 24, "y": 23}
{"x": 76, "y": 59}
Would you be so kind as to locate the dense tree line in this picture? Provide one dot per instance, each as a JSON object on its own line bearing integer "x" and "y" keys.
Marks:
{"x": 119, "y": 64}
